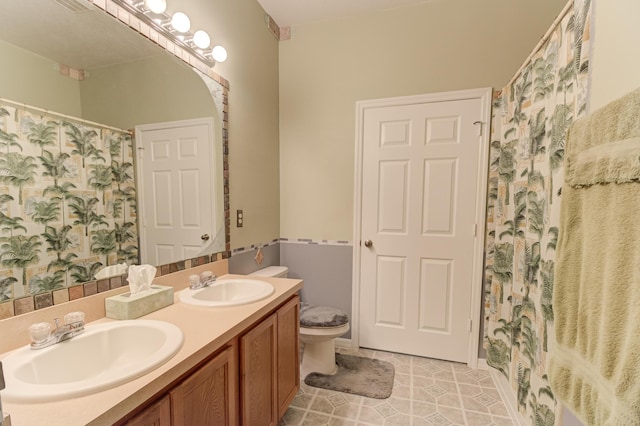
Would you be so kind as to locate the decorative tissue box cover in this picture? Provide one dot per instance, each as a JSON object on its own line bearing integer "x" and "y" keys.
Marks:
{"x": 129, "y": 306}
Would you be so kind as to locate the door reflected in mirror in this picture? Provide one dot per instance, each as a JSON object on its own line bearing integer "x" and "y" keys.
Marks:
{"x": 176, "y": 176}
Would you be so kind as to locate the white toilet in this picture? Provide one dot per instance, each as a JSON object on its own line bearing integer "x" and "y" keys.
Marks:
{"x": 319, "y": 327}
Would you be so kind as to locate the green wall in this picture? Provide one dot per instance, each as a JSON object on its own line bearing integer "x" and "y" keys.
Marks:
{"x": 34, "y": 80}
{"x": 326, "y": 67}
{"x": 252, "y": 70}
{"x": 152, "y": 90}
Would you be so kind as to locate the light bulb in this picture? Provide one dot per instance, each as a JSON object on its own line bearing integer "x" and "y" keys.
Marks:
{"x": 201, "y": 39}
{"x": 180, "y": 22}
{"x": 219, "y": 54}
{"x": 156, "y": 6}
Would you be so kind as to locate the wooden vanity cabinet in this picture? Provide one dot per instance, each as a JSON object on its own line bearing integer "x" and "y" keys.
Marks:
{"x": 258, "y": 374}
{"x": 288, "y": 353}
{"x": 156, "y": 414}
{"x": 270, "y": 366}
{"x": 208, "y": 396}
{"x": 255, "y": 391}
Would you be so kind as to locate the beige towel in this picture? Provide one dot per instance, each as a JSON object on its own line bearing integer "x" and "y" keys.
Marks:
{"x": 594, "y": 367}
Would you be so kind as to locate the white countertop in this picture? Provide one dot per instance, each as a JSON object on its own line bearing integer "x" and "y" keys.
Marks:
{"x": 205, "y": 331}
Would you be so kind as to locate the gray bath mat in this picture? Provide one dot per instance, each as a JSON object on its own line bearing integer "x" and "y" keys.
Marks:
{"x": 361, "y": 376}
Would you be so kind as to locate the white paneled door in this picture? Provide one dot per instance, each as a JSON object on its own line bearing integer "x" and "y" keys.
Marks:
{"x": 175, "y": 162}
{"x": 418, "y": 225}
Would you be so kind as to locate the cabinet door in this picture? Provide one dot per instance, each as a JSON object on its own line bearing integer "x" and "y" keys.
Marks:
{"x": 156, "y": 414}
{"x": 288, "y": 353}
{"x": 209, "y": 396}
{"x": 258, "y": 374}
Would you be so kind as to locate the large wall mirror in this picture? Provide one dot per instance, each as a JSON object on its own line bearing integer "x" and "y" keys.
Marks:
{"x": 70, "y": 197}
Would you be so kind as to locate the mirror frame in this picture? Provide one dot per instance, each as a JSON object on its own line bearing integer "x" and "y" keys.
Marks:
{"x": 215, "y": 84}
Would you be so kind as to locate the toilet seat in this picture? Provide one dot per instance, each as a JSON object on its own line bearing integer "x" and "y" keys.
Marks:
{"x": 312, "y": 316}
{"x": 323, "y": 331}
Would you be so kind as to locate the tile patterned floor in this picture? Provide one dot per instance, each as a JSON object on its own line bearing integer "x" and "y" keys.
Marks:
{"x": 425, "y": 392}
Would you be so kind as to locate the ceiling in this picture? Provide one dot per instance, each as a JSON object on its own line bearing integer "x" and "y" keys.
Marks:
{"x": 86, "y": 38}
{"x": 83, "y": 39}
{"x": 299, "y": 12}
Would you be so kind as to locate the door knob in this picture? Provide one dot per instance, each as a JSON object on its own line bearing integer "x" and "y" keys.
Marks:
{"x": 204, "y": 237}
{"x": 368, "y": 243}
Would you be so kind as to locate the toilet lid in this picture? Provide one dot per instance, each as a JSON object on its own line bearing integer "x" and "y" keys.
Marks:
{"x": 321, "y": 316}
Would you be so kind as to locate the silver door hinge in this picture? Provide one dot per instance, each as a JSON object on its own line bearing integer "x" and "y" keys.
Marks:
{"x": 470, "y": 324}
{"x": 475, "y": 230}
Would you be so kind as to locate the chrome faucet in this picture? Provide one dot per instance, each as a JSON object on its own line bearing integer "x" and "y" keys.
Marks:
{"x": 203, "y": 280}
{"x": 59, "y": 334}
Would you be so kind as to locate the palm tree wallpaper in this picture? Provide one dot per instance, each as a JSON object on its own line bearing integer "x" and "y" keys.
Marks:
{"x": 531, "y": 117}
{"x": 67, "y": 201}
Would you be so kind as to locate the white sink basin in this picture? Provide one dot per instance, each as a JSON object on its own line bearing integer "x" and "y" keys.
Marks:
{"x": 104, "y": 356}
{"x": 228, "y": 292}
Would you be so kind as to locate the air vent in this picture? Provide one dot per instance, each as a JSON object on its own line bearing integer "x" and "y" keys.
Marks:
{"x": 76, "y": 6}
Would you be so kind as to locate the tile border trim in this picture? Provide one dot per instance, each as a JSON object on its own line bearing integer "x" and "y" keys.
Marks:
{"x": 43, "y": 300}
{"x": 283, "y": 240}
{"x": 241, "y": 250}
{"x": 318, "y": 242}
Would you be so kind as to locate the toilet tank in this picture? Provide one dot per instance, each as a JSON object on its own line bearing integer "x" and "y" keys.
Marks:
{"x": 272, "y": 271}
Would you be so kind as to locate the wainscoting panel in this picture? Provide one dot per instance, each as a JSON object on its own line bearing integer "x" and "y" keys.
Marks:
{"x": 243, "y": 260}
{"x": 326, "y": 271}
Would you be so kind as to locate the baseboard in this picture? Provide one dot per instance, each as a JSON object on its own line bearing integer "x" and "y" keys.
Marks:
{"x": 342, "y": 342}
{"x": 506, "y": 392}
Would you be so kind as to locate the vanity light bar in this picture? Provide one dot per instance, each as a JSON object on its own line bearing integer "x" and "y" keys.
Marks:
{"x": 156, "y": 6}
{"x": 161, "y": 22}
